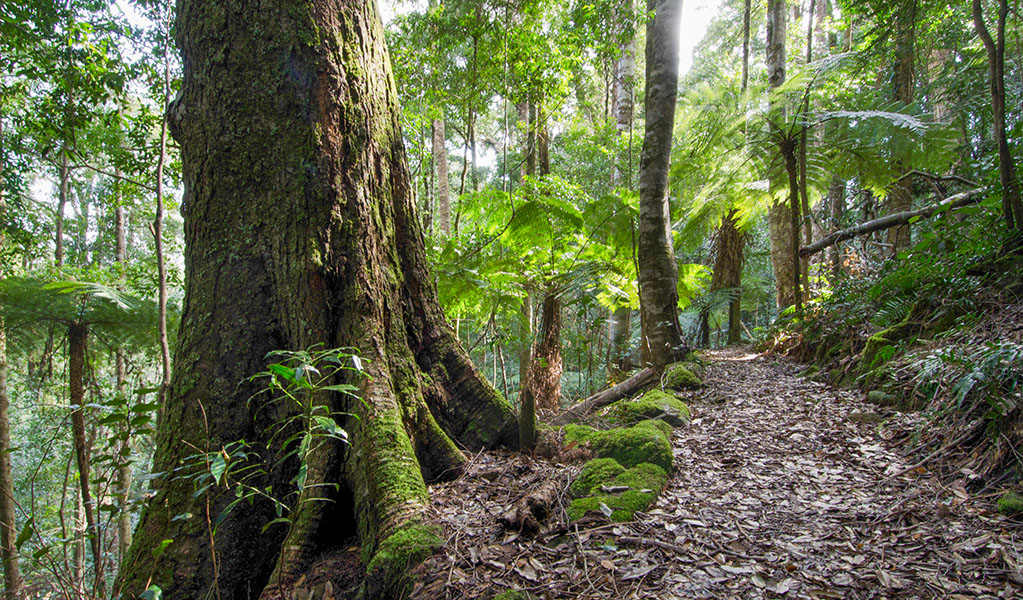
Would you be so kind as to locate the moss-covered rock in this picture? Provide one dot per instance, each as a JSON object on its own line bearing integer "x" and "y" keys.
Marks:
{"x": 655, "y": 404}
{"x": 597, "y": 472}
{"x": 644, "y": 482}
{"x": 1011, "y": 504}
{"x": 646, "y": 441}
{"x": 391, "y": 563}
{"x": 864, "y": 417}
{"x": 680, "y": 376}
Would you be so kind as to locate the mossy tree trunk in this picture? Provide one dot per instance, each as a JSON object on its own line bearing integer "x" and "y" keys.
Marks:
{"x": 299, "y": 230}
{"x": 729, "y": 245}
{"x": 658, "y": 274}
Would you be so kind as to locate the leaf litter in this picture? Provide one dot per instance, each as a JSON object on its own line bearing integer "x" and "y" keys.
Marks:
{"x": 776, "y": 493}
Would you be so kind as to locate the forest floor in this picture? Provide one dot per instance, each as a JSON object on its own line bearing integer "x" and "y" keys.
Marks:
{"x": 782, "y": 488}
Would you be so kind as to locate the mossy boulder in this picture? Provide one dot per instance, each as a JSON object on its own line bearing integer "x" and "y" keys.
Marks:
{"x": 680, "y": 376}
{"x": 643, "y": 482}
{"x": 1011, "y": 504}
{"x": 597, "y": 472}
{"x": 655, "y": 404}
{"x": 647, "y": 441}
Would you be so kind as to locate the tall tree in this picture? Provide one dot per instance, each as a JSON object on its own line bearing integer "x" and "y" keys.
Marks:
{"x": 1012, "y": 206}
{"x": 8, "y": 525}
{"x": 658, "y": 274}
{"x": 900, "y": 199}
{"x": 620, "y": 324}
{"x": 778, "y": 216}
{"x": 299, "y": 230}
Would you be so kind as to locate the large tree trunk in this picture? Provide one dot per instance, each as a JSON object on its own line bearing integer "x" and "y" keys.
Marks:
{"x": 658, "y": 274}
{"x": 778, "y": 214}
{"x": 300, "y": 230}
{"x": 1012, "y": 206}
{"x": 619, "y": 354}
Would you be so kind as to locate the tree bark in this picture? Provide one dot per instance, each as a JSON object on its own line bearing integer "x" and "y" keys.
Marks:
{"x": 123, "y": 464}
{"x": 624, "y": 103}
{"x": 778, "y": 215}
{"x": 62, "y": 198}
{"x": 1012, "y": 206}
{"x": 440, "y": 163}
{"x": 727, "y": 273}
{"x": 619, "y": 354}
{"x": 77, "y": 343}
{"x": 658, "y": 274}
{"x": 300, "y": 230}
{"x": 746, "y": 10}
{"x": 547, "y": 364}
{"x": 161, "y": 267}
{"x": 13, "y": 589}
{"x": 900, "y": 199}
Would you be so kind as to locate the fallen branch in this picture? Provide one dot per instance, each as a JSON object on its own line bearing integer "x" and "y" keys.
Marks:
{"x": 952, "y": 203}
{"x": 608, "y": 396}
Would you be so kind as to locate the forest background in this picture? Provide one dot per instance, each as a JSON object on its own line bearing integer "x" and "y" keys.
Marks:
{"x": 523, "y": 125}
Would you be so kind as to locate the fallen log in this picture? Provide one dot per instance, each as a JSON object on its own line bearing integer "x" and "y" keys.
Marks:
{"x": 612, "y": 394}
{"x": 950, "y": 203}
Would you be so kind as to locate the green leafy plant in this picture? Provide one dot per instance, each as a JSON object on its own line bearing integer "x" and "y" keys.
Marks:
{"x": 299, "y": 385}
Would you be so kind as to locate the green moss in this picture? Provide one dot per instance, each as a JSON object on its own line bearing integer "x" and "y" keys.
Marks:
{"x": 597, "y": 472}
{"x": 654, "y": 404}
{"x": 410, "y": 545}
{"x": 623, "y": 506}
{"x": 514, "y": 595}
{"x": 1010, "y": 504}
{"x": 644, "y": 476}
{"x": 647, "y": 441}
{"x": 881, "y": 398}
{"x": 679, "y": 376}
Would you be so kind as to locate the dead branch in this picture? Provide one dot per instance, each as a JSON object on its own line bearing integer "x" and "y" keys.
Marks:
{"x": 952, "y": 203}
{"x": 608, "y": 396}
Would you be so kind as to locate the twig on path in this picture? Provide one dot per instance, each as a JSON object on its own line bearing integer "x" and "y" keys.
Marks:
{"x": 929, "y": 457}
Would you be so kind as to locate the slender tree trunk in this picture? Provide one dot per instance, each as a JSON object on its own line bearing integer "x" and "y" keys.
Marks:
{"x": 77, "y": 339}
{"x": 836, "y": 204}
{"x": 624, "y": 102}
{"x": 8, "y": 516}
{"x": 62, "y": 199}
{"x": 123, "y": 468}
{"x": 746, "y": 10}
{"x": 658, "y": 274}
{"x": 300, "y": 118}
{"x": 778, "y": 215}
{"x": 161, "y": 267}
{"x": 1012, "y": 206}
{"x": 440, "y": 163}
{"x": 900, "y": 199}
{"x": 789, "y": 152}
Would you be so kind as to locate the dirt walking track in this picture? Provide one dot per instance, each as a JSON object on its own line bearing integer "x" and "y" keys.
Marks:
{"x": 782, "y": 488}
